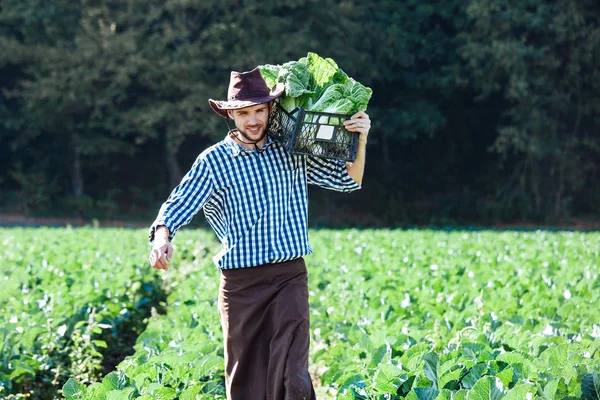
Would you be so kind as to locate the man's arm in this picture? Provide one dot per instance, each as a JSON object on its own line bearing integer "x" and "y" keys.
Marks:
{"x": 335, "y": 174}
{"x": 187, "y": 198}
{"x": 360, "y": 123}
{"x": 329, "y": 174}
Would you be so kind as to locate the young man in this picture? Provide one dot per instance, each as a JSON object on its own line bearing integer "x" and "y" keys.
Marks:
{"x": 254, "y": 195}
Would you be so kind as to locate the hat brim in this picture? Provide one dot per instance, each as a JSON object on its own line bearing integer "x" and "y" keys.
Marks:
{"x": 221, "y": 107}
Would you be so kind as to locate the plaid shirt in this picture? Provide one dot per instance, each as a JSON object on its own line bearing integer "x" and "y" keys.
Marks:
{"x": 255, "y": 200}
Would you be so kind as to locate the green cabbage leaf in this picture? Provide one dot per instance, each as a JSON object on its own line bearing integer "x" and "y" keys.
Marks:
{"x": 317, "y": 84}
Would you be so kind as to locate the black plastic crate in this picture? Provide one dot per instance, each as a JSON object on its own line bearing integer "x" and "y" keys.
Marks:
{"x": 313, "y": 133}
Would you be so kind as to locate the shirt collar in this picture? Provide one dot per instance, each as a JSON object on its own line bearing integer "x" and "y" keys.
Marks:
{"x": 236, "y": 149}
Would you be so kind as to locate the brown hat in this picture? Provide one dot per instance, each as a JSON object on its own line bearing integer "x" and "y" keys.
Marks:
{"x": 245, "y": 89}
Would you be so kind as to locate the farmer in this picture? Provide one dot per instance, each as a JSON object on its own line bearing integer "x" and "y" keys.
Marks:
{"x": 254, "y": 195}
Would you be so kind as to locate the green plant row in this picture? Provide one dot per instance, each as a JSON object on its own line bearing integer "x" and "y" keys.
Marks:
{"x": 180, "y": 354}
{"x": 398, "y": 315}
{"x": 71, "y": 299}
{"x": 438, "y": 315}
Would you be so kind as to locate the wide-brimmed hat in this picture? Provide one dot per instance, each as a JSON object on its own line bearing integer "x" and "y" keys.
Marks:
{"x": 245, "y": 89}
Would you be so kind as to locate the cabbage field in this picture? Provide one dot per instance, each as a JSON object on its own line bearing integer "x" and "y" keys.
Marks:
{"x": 395, "y": 314}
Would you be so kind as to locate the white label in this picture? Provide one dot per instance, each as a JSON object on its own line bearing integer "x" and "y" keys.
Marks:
{"x": 325, "y": 132}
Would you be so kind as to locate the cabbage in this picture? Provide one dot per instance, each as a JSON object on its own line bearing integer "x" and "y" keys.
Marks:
{"x": 343, "y": 98}
{"x": 296, "y": 79}
{"x": 324, "y": 72}
{"x": 317, "y": 84}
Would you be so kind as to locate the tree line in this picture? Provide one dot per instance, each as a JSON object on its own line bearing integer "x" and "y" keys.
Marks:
{"x": 483, "y": 110}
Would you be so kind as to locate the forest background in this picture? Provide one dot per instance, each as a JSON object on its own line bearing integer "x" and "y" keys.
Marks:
{"x": 484, "y": 111}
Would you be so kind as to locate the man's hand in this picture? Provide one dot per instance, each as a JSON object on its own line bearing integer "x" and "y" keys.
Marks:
{"x": 161, "y": 255}
{"x": 361, "y": 123}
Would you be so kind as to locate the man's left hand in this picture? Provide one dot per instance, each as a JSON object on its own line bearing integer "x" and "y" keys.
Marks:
{"x": 360, "y": 123}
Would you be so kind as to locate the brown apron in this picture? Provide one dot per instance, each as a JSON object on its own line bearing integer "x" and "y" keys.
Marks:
{"x": 265, "y": 317}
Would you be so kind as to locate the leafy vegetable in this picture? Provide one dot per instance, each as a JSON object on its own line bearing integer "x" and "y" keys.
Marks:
{"x": 296, "y": 78}
{"x": 324, "y": 72}
{"x": 418, "y": 314}
{"x": 317, "y": 84}
{"x": 346, "y": 98}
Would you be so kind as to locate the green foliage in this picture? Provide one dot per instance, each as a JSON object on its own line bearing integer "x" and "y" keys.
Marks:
{"x": 394, "y": 315}
{"x": 69, "y": 297}
{"x": 180, "y": 354}
{"x": 490, "y": 106}
{"x": 420, "y": 314}
{"x": 590, "y": 386}
{"x": 552, "y": 94}
{"x": 127, "y": 79}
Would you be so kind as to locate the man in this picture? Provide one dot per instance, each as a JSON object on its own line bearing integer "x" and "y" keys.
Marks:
{"x": 254, "y": 195}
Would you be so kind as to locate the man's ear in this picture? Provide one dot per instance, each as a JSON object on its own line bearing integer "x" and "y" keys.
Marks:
{"x": 230, "y": 114}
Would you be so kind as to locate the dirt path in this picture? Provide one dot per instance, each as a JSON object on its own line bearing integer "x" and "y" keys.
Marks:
{"x": 14, "y": 220}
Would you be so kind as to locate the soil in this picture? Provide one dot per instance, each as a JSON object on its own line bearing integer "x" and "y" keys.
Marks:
{"x": 19, "y": 220}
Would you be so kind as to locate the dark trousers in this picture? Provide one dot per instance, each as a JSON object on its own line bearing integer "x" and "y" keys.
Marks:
{"x": 265, "y": 317}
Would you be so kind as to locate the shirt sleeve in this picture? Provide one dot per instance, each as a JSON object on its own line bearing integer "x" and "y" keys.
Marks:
{"x": 186, "y": 199}
{"x": 329, "y": 174}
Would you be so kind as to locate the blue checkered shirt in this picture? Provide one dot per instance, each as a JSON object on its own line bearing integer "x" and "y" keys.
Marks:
{"x": 255, "y": 200}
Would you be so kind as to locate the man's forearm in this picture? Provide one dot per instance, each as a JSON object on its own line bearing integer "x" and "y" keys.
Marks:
{"x": 357, "y": 168}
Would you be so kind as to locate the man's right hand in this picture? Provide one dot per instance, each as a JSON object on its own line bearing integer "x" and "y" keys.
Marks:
{"x": 161, "y": 255}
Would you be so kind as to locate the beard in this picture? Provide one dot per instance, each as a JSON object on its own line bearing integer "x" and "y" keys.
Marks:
{"x": 249, "y": 136}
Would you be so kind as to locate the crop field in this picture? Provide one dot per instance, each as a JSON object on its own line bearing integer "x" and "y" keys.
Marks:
{"x": 395, "y": 314}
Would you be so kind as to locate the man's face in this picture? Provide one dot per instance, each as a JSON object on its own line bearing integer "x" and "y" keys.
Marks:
{"x": 251, "y": 121}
